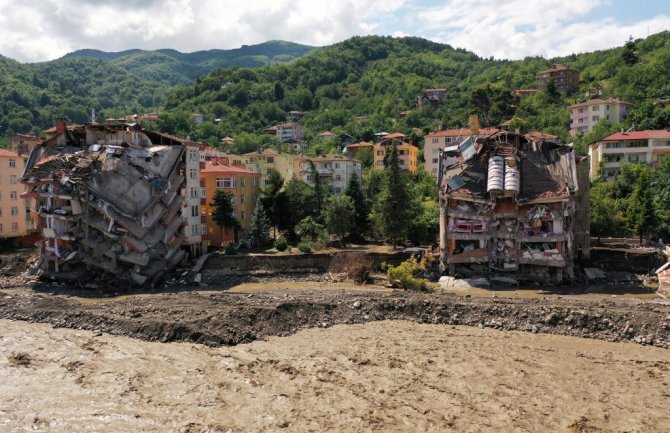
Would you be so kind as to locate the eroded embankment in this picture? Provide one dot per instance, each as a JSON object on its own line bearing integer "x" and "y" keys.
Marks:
{"x": 217, "y": 318}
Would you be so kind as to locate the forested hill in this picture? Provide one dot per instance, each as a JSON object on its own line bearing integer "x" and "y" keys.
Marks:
{"x": 32, "y": 96}
{"x": 175, "y": 67}
{"x": 381, "y": 77}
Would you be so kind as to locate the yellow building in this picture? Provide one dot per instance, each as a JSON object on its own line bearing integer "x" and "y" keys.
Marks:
{"x": 242, "y": 183}
{"x": 407, "y": 154}
{"x": 263, "y": 161}
{"x": 15, "y": 216}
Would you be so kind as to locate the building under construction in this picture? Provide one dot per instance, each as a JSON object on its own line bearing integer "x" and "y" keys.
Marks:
{"x": 509, "y": 205}
{"x": 109, "y": 198}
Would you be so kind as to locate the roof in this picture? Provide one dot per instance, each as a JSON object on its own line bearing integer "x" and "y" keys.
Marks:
{"x": 485, "y": 132}
{"x": 7, "y": 152}
{"x": 557, "y": 68}
{"x": 538, "y": 135}
{"x": 360, "y": 144}
{"x": 450, "y": 133}
{"x": 637, "y": 135}
{"x": 393, "y": 135}
{"x": 399, "y": 142}
{"x": 326, "y": 134}
{"x": 436, "y": 90}
{"x": 214, "y": 167}
{"x": 271, "y": 152}
{"x": 598, "y": 101}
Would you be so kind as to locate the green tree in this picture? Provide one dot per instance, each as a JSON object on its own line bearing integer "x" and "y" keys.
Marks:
{"x": 395, "y": 207}
{"x": 272, "y": 200}
{"x": 222, "y": 212}
{"x": 310, "y": 228}
{"x": 260, "y": 225}
{"x": 628, "y": 54}
{"x": 640, "y": 213}
{"x": 361, "y": 220}
{"x": 340, "y": 215}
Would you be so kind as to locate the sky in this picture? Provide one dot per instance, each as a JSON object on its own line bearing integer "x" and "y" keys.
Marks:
{"x": 40, "y": 30}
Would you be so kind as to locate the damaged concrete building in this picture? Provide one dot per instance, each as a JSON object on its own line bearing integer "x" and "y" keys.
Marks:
{"x": 109, "y": 198}
{"x": 509, "y": 205}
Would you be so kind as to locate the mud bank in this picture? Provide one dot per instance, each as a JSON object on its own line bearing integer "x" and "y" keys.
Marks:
{"x": 221, "y": 318}
{"x": 391, "y": 376}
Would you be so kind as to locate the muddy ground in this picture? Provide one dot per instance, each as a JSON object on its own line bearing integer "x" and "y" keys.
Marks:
{"x": 390, "y": 376}
{"x": 217, "y": 318}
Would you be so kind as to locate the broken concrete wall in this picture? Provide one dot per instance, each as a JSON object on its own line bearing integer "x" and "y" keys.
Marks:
{"x": 510, "y": 204}
{"x": 108, "y": 199}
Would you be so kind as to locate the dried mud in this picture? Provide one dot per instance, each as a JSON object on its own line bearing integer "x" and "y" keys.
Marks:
{"x": 223, "y": 318}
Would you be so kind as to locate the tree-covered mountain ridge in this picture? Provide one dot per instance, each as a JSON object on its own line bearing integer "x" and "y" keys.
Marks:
{"x": 370, "y": 84}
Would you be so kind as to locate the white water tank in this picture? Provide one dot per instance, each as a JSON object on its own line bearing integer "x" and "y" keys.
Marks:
{"x": 512, "y": 180}
{"x": 495, "y": 175}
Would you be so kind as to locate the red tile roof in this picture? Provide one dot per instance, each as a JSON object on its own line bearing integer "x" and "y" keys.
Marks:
{"x": 326, "y": 134}
{"x": 556, "y": 69}
{"x": 7, "y": 152}
{"x": 360, "y": 144}
{"x": 638, "y": 135}
{"x": 393, "y": 135}
{"x": 450, "y": 133}
{"x": 597, "y": 101}
{"x": 213, "y": 167}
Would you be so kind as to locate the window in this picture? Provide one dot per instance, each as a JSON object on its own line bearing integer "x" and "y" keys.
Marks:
{"x": 338, "y": 190}
{"x": 193, "y": 154}
{"x": 195, "y": 211}
{"x": 194, "y": 230}
{"x": 194, "y": 192}
{"x": 271, "y": 160}
{"x": 596, "y": 118}
{"x": 401, "y": 162}
{"x": 203, "y": 193}
{"x": 337, "y": 165}
{"x": 380, "y": 153}
{"x": 595, "y": 108}
{"x": 203, "y": 229}
{"x": 225, "y": 182}
{"x": 436, "y": 140}
{"x": 12, "y": 163}
{"x": 447, "y": 140}
{"x": 242, "y": 182}
{"x": 435, "y": 160}
{"x": 15, "y": 211}
{"x": 12, "y": 178}
{"x": 193, "y": 173}
{"x": 338, "y": 177}
{"x": 242, "y": 199}
{"x": 243, "y": 216}
{"x": 234, "y": 214}
{"x": 436, "y": 150}
{"x": 254, "y": 183}
{"x": 233, "y": 200}
{"x": 12, "y": 195}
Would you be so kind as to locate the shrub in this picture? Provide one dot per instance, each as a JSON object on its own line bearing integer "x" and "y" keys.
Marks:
{"x": 405, "y": 274}
{"x": 305, "y": 247}
{"x": 281, "y": 244}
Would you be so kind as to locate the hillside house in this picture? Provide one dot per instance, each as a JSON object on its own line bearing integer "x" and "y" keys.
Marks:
{"x": 336, "y": 170}
{"x": 584, "y": 116}
{"x": 566, "y": 80}
{"x": 608, "y": 154}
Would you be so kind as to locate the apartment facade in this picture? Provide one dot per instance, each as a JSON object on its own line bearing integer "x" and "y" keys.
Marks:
{"x": 335, "y": 169}
{"x": 437, "y": 141}
{"x": 195, "y": 233}
{"x": 407, "y": 154}
{"x": 607, "y": 155}
{"x": 262, "y": 161}
{"x": 566, "y": 80}
{"x": 242, "y": 183}
{"x": 287, "y": 131}
{"x": 16, "y": 219}
{"x": 584, "y": 116}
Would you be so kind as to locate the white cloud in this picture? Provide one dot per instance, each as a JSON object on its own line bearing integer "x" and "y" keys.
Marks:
{"x": 513, "y": 29}
{"x": 48, "y": 29}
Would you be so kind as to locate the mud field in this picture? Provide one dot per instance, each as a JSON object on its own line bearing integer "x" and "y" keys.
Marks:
{"x": 391, "y": 376}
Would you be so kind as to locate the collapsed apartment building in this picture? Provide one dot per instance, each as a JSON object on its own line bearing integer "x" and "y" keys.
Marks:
{"x": 109, "y": 198}
{"x": 509, "y": 205}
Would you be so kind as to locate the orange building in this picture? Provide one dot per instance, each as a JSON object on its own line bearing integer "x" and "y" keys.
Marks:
{"x": 407, "y": 154}
{"x": 242, "y": 183}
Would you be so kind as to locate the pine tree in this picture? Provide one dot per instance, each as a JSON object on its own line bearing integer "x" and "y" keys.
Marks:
{"x": 222, "y": 214}
{"x": 340, "y": 215}
{"x": 641, "y": 219}
{"x": 260, "y": 225}
{"x": 395, "y": 204}
{"x": 361, "y": 221}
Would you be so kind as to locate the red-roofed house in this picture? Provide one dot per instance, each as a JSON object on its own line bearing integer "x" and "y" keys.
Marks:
{"x": 566, "y": 80}
{"x": 326, "y": 135}
{"x": 354, "y": 149}
{"x": 242, "y": 183}
{"x": 609, "y": 153}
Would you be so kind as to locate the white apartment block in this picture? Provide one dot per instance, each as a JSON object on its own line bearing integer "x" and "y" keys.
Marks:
{"x": 584, "y": 116}
{"x": 335, "y": 169}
